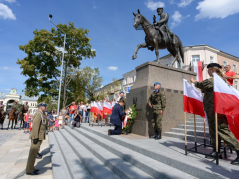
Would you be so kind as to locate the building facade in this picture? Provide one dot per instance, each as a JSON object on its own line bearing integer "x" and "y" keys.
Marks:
{"x": 192, "y": 54}
{"x": 9, "y": 99}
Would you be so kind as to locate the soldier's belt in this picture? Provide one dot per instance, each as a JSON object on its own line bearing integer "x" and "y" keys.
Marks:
{"x": 155, "y": 102}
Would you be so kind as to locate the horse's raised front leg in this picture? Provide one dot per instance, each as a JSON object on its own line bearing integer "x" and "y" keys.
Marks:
{"x": 143, "y": 45}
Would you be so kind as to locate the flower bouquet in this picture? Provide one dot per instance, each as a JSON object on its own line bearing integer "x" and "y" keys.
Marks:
{"x": 129, "y": 119}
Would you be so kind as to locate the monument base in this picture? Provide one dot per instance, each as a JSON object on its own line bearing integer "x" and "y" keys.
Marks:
{"x": 171, "y": 80}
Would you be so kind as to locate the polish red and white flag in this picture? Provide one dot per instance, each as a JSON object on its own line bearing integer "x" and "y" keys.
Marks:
{"x": 193, "y": 100}
{"x": 95, "y": 108}
{"x": 107, "y": 108}
{"x": 198, "y": 69}
{"x": 226, "y": 100}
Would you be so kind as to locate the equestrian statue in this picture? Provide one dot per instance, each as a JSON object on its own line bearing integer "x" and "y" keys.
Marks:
{"x": 158, "y": 36}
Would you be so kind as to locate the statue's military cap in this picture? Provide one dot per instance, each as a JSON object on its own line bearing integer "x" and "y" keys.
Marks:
{"x": 214, "y": 65}
{"x": 157, "y": 83}
{"x": 42, "y": 104}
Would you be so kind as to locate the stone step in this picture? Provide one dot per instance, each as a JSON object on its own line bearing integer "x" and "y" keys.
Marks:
{"x": 59, "y": 168}
{"x": 120, "y": 167}
{"x": 197, "y": 120}
{"x": 191, "y": 123}
{"x": 181, "y": 136}
{"x": 189, "y": 132}
{"x": 74, "y": 165}
{"x": 148, "y": 165}
{"x": 95, "y": 167}
{"x": 191, "y": 127}
{"x": 169, "y": 151}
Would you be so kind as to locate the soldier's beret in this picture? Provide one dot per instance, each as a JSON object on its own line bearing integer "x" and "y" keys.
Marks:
{"x": 214, "y": 65}
{"x": 157, "y": 83}
{"x": 42, "y": 104}
{"x": 121, "y": 92}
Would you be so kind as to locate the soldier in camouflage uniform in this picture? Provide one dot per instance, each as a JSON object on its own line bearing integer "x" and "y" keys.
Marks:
{"x": 208, "y": 103}
{"x": 26, "y": 106}
{"x": 157, "y": 101}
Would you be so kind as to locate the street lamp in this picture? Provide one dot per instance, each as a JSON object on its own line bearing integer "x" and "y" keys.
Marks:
{"x": 59, "y": 95}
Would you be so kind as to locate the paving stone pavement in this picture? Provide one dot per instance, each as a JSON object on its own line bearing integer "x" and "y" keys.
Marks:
{"x": 14, "y": 150}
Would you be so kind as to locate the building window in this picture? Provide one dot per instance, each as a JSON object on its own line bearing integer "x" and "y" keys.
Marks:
{"x": 132, "y": 79}
{"x": 234, "y": 68}
{"x": 126, "y": 81}
{"x": 195, "y": 58}
{"x": 224, "y": 63}
{"x": 211, "y": 59}
{"x": 236, "y": 84}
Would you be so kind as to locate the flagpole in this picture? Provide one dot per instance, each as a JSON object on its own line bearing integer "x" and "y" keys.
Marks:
{"x": 216, "y": 126}
{"x": 195, "y": 134}
{"x": 185, "y": 133}
{"x": 204, "y": 133}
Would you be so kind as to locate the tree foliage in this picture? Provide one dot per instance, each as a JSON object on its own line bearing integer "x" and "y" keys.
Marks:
{"x": 87, "y": 80}
{"x": 43, "y": 60}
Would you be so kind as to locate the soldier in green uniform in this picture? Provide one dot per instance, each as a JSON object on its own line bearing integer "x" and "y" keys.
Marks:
{"x": 26, "y": 106}
{"x": 157, "y": 101}
{"x": 2, "y": 114}
{"x": 37, "y": 135}
{"x": 208, "y": 103}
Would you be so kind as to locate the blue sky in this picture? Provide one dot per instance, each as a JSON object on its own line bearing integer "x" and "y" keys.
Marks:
{"x": 211, "y": 22}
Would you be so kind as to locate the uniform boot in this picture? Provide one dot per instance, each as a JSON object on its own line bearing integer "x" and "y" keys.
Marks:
{"x": 158, "y": 136}
{"x": 236, "y": 161}
{"x": 154, "y": 136}
{"x": 213, "y": 153}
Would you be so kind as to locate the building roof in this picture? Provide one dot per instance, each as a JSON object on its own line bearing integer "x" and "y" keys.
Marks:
{"x": 26, "y": 98}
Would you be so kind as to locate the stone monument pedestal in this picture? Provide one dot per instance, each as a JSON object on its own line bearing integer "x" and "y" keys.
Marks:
{"x": 171, "y": 80}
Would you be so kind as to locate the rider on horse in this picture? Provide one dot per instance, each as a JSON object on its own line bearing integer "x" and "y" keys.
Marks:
{"x": 162, "y": 26}
{"x": 2, "y": 114}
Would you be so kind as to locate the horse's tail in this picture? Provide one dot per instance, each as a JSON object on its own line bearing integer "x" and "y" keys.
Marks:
{"x": 181, "y": 51}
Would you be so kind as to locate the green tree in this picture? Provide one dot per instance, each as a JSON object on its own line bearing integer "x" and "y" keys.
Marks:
{"x": 86, "y": 81}
{"x": 43, "y": 60}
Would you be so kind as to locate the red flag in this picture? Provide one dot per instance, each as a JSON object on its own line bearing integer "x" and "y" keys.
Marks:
{"x": 107, "y": 108}
{"x": 193, "y": 100}
{"x": 198, "y": 69}
{"x": 226, "y": 98}
{"x": 95, "y": 109}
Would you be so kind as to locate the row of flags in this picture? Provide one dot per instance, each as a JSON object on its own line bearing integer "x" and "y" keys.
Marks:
{"x": 226, "y": 101}
{"x": 101, "y": 109}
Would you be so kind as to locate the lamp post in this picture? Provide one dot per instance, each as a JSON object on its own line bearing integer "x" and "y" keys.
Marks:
{"x": 62, "y": 59}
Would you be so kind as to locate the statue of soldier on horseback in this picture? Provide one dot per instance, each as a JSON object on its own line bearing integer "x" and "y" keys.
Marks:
{"x": 159, "y": 36}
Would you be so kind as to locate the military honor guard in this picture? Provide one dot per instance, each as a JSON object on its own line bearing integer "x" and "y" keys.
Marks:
{"x": 208, "y": 103}
{"x": 157, "y": 101}
{"x": 37, "y": 135}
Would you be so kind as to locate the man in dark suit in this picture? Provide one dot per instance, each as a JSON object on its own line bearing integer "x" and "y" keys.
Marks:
{"x": 117, "y": 114}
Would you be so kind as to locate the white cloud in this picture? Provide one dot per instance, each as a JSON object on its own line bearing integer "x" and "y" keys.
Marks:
{"x": 154, "y": 5}
{"x": 9, "y": 1}
{"x": 6, "y": 12}
{"x": 93, "y": 50}
{"x": 177, "y": 19}
{"x": 219, "y": 9}
{"x": 171, "y": 1}
{"x": 5, "y": 68}
{"x": 94, "y": 6}
{"x": 113, "y": 68}
{"x": 184, "y": 3}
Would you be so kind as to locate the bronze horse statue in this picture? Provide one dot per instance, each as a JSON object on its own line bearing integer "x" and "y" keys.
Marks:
{"x": 12, "y": 116}
{"x": 153, "y": 40}
{"x": 22, "y": 112}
